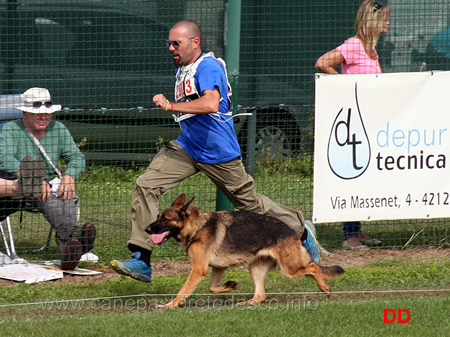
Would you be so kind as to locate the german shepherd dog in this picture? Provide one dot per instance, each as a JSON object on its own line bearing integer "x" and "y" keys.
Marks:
{"x": 235, "y": 238}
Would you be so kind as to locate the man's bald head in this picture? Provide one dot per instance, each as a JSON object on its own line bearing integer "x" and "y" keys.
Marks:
{"x": 190, "y": 27}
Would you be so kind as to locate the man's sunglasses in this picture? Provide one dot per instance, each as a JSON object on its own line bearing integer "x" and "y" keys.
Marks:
{"x": 176, "y": 43}
{"x": 38, "y": 104}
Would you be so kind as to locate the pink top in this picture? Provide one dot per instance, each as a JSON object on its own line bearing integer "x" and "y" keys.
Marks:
{"x": 356, "y": 60}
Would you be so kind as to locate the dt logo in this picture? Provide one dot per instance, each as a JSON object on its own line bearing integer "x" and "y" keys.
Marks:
{"x": 348, "y": 145}
{"x": 391, "y": 313}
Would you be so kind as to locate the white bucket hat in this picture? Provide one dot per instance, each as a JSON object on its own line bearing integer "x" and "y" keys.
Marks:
{"x": 38, "y": 101}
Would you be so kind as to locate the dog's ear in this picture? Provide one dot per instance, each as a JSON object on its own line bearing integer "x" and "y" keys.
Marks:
{"x": 189, "y": 206}
{"x": 180, "y": 200}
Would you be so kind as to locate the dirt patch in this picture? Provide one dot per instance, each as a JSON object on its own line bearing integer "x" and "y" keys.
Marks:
{"x": 358, "y": 258}
{"x": 344, "y": 258}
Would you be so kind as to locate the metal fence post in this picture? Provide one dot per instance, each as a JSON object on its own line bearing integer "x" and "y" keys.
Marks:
{"x": 231, "y": 54}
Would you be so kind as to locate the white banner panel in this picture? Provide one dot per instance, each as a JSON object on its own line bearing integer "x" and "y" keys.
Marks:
{"x": 382, "y": 145}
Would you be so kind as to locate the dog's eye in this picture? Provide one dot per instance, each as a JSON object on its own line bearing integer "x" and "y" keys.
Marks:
{"x": 172, "y": 219}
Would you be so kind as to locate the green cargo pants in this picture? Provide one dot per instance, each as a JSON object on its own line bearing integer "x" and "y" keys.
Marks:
{"x": 172, "y": 165}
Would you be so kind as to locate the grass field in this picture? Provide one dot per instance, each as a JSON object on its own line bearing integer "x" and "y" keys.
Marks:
{"x": 105, "y": 194}
{"x": 125, "y": 307}
{"x": 111, "y": 305}
{"x": 334, "y": 318}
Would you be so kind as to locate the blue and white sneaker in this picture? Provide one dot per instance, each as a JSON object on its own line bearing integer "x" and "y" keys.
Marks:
{"x": 133, "y": 267}
{"x": 311, "y": 243}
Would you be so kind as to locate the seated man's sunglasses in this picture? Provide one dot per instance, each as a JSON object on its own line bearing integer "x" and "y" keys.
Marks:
{"x": 38, "y": 104}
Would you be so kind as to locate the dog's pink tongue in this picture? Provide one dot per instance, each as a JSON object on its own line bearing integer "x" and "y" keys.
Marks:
{"x": 158, "y": 238}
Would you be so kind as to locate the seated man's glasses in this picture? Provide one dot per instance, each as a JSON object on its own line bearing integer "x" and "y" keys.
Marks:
{"x": 38, "y": 104}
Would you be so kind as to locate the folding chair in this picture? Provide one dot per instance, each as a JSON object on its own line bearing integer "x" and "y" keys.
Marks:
{"x": 31, "y": 209}
{"x": 10, "y": 246}
{"x": 9, "y": 242}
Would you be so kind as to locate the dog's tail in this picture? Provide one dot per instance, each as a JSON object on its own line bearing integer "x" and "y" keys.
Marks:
{"x": 329, "y": 273}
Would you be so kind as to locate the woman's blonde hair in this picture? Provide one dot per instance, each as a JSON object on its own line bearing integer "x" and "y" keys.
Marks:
{"x": 370, "y": 20}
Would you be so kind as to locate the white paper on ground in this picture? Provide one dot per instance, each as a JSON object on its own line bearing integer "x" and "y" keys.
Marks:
{"x": 28, "y": 273}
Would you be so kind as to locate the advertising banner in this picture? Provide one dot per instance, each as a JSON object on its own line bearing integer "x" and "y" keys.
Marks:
{"x": 382, "y": 142}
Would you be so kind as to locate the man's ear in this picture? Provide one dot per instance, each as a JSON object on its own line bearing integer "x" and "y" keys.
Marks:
{"x": 196, "y": 41}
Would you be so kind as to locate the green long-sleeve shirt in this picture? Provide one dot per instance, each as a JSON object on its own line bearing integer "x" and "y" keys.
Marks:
{"x": 16, "y": 142}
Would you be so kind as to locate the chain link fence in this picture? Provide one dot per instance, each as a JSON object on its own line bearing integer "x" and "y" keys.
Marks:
{"x": 104, "y": 61}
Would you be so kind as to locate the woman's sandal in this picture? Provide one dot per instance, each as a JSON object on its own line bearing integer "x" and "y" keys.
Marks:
{"x": 346, "y": 244}
{"x": 363, "y": 238}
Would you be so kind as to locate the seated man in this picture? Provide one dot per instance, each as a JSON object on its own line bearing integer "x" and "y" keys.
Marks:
{"x": 37, "y": 136}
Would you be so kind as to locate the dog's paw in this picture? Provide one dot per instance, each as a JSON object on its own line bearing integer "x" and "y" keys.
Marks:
{"x": 170, "y": 305}
{"x": 254, "y": 301}
{"x": 231, "y": 284}
{"x": 224, "y": 288}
